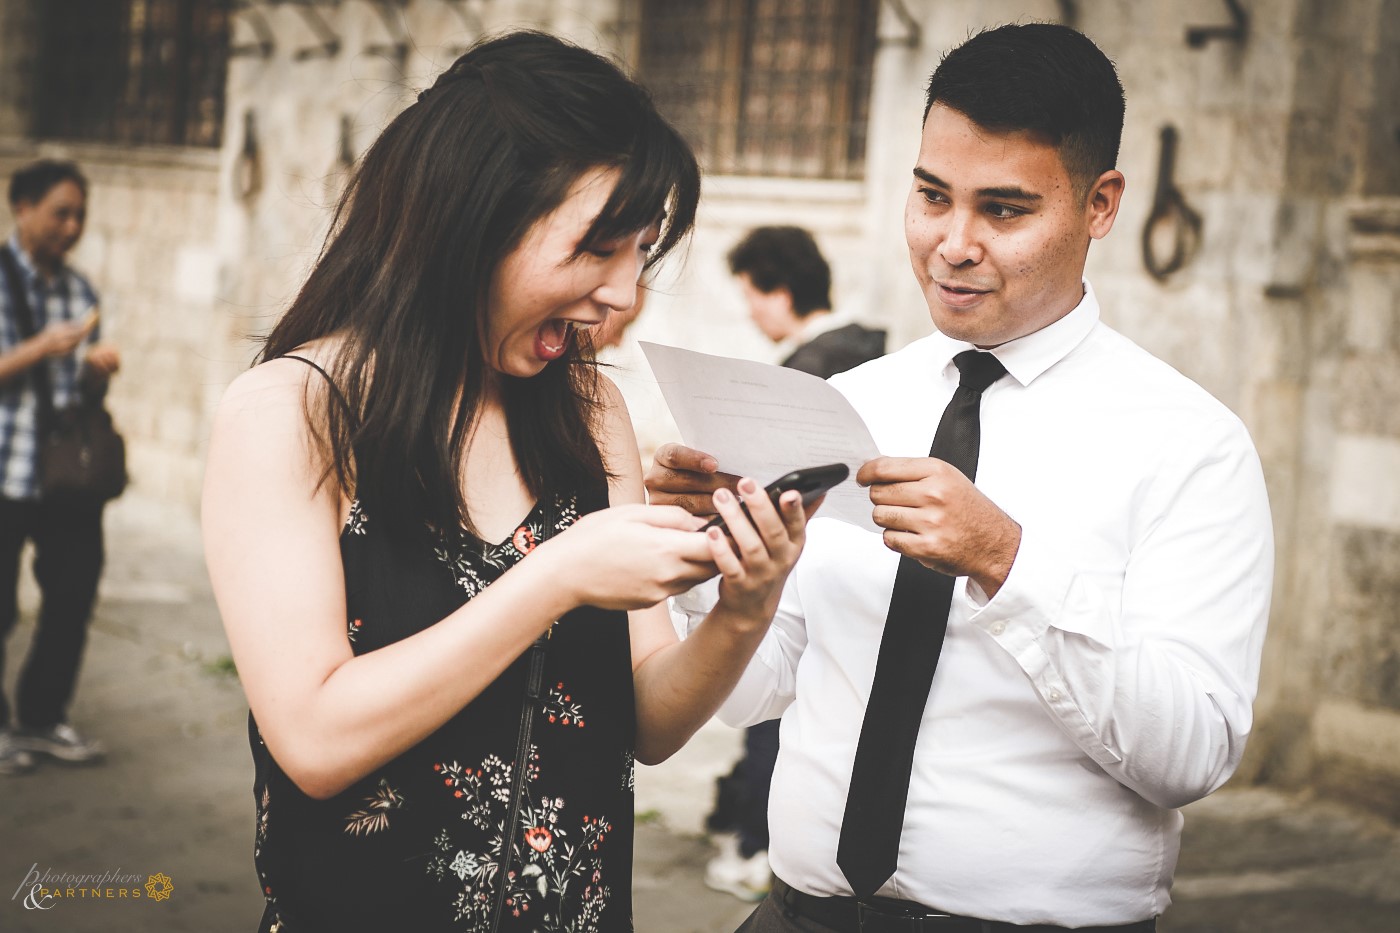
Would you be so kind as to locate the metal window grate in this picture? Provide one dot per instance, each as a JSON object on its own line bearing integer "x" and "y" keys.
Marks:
{"x": 763, "y": 87}
{"x": 138, "y": 72}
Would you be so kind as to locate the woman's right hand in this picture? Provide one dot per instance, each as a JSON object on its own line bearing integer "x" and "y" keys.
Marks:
{"x": 631, "y": 556}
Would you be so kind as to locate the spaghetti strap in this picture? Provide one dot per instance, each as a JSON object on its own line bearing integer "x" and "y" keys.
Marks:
{"x": 335, "y": 389}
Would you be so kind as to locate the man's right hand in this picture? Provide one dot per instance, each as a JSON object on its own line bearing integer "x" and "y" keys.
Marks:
{"x": 62, "y": 337}
{"x": 686, "y": 477}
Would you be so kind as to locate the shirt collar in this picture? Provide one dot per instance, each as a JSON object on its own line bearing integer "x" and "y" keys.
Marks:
{"x": 1025, "y": 358}
{"x": 26, "y": 265}
{"x": 810, "y": 328}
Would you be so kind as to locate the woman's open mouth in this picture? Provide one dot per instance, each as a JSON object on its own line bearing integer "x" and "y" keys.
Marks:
{"x": 553, "y": 337}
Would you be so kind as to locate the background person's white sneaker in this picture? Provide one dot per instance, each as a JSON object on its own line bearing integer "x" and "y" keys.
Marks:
{"x": 62, "y": 742}
{"x": 13, "y": 759}
{"x": 746, "y": 878}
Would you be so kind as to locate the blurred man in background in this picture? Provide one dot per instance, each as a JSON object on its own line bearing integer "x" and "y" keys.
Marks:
{"x": 787, "y": 285}
{"x": 48, "y": 344}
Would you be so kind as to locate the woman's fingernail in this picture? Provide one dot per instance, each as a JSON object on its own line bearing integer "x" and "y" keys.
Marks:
{"x": 748, "y": 487}
{"x": 722, "y": 495}
{"x": 791, "y": 499}
{"x": 713, "y": 533}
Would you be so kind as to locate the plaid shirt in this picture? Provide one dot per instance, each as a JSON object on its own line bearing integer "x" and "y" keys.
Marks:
{"x": 68, "y": 297}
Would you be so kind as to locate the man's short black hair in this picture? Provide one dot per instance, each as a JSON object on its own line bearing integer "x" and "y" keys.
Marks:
{"x": 35, "y": 180}
{"x": 1042, "y": 77}
{"x": 785, "y": 257}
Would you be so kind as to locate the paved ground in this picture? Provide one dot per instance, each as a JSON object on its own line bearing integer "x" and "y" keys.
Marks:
{"x": 174, "y": 796}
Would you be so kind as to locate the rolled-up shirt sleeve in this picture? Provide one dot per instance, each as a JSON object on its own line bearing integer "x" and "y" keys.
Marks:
{"x": 768, "y": 684}
{"x": 1152, "y": 671}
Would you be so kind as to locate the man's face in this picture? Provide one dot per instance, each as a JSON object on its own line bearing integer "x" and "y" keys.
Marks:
{"x": 997, "y": 234}
{"x": 771, "y": 311}
{"x": 51, "y": 226}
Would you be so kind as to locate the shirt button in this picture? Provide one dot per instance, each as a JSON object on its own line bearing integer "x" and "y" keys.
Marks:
{"x": 1054, "y": 695}
{"x": 998, "y": 627}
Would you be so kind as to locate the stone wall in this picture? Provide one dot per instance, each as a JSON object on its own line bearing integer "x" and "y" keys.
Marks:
{"x": 1346, "y": 575}
{"x": 16, "y": 54}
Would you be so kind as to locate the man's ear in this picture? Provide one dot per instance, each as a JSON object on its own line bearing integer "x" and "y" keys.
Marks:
{"x": 1101, "y": 206}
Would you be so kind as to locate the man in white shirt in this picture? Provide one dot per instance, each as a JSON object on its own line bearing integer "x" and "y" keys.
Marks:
{"x": 1112, "y": 562}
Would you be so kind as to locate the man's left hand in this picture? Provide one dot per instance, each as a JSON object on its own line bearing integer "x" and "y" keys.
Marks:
{"x": 103, "y": 358}
{"x": 932, "y": 513}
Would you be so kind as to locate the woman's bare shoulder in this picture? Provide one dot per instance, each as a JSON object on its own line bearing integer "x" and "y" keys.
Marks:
{"x": 272, "y": 384}
{"x": 264, "y": 431}
{"x": 614, "y": 417}
{"x": 610, "y": 398}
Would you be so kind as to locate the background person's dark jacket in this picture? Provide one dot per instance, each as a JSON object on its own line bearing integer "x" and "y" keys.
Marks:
{"x": 837, "y": 351}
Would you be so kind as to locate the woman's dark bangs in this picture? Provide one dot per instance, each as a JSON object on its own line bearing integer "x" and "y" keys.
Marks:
{"x": 656, "y": 169}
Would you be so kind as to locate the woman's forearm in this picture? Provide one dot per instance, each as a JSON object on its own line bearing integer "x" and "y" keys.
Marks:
{"x": 682, "y": 685}
{"x": 376, "y": 706}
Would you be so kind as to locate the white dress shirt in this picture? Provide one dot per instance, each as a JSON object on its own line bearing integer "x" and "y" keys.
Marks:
{"x": 1108, "y": 681}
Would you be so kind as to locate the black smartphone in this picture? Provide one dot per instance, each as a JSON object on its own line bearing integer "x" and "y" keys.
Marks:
{"x": 812, "y": 482}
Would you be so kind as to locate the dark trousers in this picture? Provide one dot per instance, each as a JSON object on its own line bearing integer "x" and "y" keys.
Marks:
{"x": 67, "y": 564}
{"x": 741, "y": 801}
{"x": 760, "y": 754}
{"x": 769, "y": 917}
{"x": 776, "y": 915}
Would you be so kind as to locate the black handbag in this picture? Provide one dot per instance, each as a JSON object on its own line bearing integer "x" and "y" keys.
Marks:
{"x": 82, "y": 458}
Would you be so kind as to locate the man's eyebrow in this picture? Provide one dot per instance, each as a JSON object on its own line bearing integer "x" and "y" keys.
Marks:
{"x": 1003, "y": 193}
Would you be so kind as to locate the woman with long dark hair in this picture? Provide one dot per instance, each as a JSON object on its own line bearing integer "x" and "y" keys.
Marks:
{"x": 447, "y": 699}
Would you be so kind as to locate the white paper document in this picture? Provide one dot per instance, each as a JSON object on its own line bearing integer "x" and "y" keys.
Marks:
{"x": 764, "y": 421}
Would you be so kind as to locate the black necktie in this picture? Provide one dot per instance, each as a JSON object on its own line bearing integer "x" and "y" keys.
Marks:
{"x": 869, "y": 848}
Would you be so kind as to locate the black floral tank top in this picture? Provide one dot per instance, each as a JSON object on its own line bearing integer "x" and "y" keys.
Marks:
{"x": 428, "y": 842}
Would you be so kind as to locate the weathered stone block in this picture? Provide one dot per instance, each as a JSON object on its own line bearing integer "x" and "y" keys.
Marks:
{"x": 1252, "y": 249}
{"x": 1206, "y": 153}
{"x": 1358, "y": 753}
{"x": 1372, "y": 326}
{"x": 1361, "y": 656}
{"x": 1366, "y": 386}
{"x": 1336, "y": 19}
{"x": 1273, "y": 72}
{"x": 177, "y": 424}
{"x": 1261, "y": 152}
{"x": 1296, "y": 228}
{"x": 1318, "y": 163}
{"x": 1276, "y": 334}
{"x": 1382, "y": 123}
{"x": 196, "y": 273}
{"x": 1366, "y": 483}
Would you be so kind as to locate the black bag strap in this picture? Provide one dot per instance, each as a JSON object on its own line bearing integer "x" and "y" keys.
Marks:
{"x": 24, "y": 323}
{"x": 529, "y": 710}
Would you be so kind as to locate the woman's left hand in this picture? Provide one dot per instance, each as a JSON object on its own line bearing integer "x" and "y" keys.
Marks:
{"x": 760, "y": 551}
